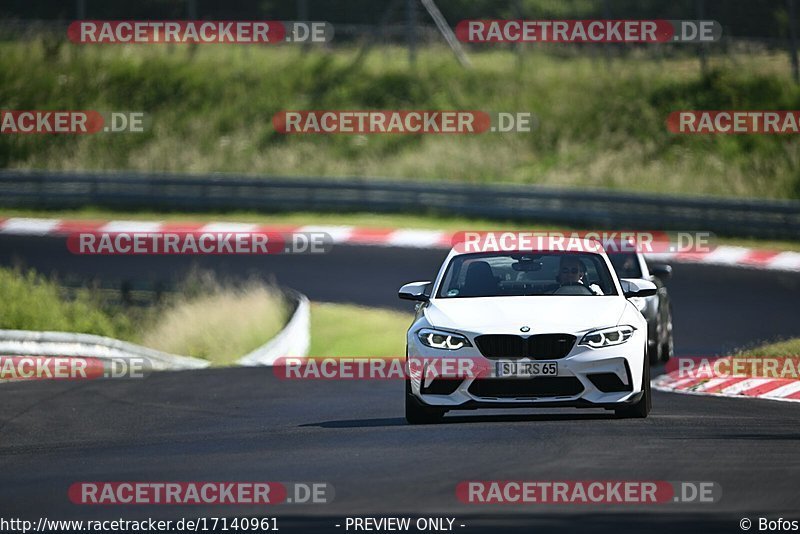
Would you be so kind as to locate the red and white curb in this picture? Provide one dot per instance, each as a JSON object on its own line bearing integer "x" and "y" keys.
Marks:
{"x": 387, "y": 237}
{"x": 780, "y": 389}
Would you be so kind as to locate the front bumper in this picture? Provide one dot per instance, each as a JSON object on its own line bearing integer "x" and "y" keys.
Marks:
{"x": 608, "y": 377}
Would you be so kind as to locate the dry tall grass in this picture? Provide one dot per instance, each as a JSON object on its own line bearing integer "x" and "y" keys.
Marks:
{"x": 220, "y": 327}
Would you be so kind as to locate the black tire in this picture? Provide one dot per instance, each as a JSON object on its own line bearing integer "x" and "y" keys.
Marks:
{"x": 666, "y": 350}
{"x": 418, "y": 413}
{"x": 641, "y": 409}
{"x": 654, "y": 357}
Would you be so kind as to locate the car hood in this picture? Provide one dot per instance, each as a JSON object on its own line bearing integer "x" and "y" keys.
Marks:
{"x": 542, "y": 314}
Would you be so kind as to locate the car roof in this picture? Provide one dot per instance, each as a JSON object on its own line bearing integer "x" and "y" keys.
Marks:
{"x": 572, "y": 246}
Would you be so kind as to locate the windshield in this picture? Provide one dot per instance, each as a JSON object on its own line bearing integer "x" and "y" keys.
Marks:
{"x": 626, "y": 264}
{"x": 525, "y": 274}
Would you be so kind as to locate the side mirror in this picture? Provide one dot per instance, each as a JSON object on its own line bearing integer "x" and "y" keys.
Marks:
{"x": 635, "y": 287}
{"x": 662, "y": 271}
{"x": 415, "y": 291}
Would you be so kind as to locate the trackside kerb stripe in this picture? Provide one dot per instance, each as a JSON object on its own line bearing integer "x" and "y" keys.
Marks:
{"x": 739, "y": 387}
{"x": 69, "y": 227}
{"x": 387, "y": 237}
{"x": 758, "y": 257}
{"x": 766, "y": 387}
{"x": 719, "y": 386}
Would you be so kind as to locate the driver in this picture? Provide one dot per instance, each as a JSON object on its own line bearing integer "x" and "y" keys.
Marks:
{"x": 572, "y": 272}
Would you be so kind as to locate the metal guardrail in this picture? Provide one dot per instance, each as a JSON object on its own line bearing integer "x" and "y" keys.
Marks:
{"x": 293, "y": 340}
{"x": 573, "y": 207}
{"x": 69, "y": 344}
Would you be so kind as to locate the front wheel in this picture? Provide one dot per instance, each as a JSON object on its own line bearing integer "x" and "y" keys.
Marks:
{"x": 419, "y": 414}
{"x": 643, "y": 406}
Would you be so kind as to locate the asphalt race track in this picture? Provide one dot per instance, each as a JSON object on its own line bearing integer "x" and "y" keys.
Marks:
{"x": 244, "y": 424}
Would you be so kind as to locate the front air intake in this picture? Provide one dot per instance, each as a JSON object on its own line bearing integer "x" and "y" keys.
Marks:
{"x": 536, "y": 347}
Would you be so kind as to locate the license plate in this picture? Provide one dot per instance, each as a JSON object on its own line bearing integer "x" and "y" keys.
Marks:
{"x": 526, "y": 369}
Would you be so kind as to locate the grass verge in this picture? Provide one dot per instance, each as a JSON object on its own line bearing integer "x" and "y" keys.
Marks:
{"x": 787, "y": 348}
{"x": 339, "y": 330}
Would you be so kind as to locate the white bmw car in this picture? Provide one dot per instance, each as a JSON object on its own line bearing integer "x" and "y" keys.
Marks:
{"x": 547, "y": 328}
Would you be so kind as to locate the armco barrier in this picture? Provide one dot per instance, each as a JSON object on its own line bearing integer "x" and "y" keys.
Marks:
{"x": 573, "y": 207}
{"x": 31, "y": 343}
{"x": 292, "y": 340}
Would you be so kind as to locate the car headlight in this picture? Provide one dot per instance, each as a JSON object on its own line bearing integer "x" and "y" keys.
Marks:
{"x": 616, "y": 335}
{"x": 442, "y": 340}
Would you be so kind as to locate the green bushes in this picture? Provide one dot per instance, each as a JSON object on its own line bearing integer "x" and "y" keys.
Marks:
{"x": 599, "y": 124}
{"x": 31, "y": 302}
